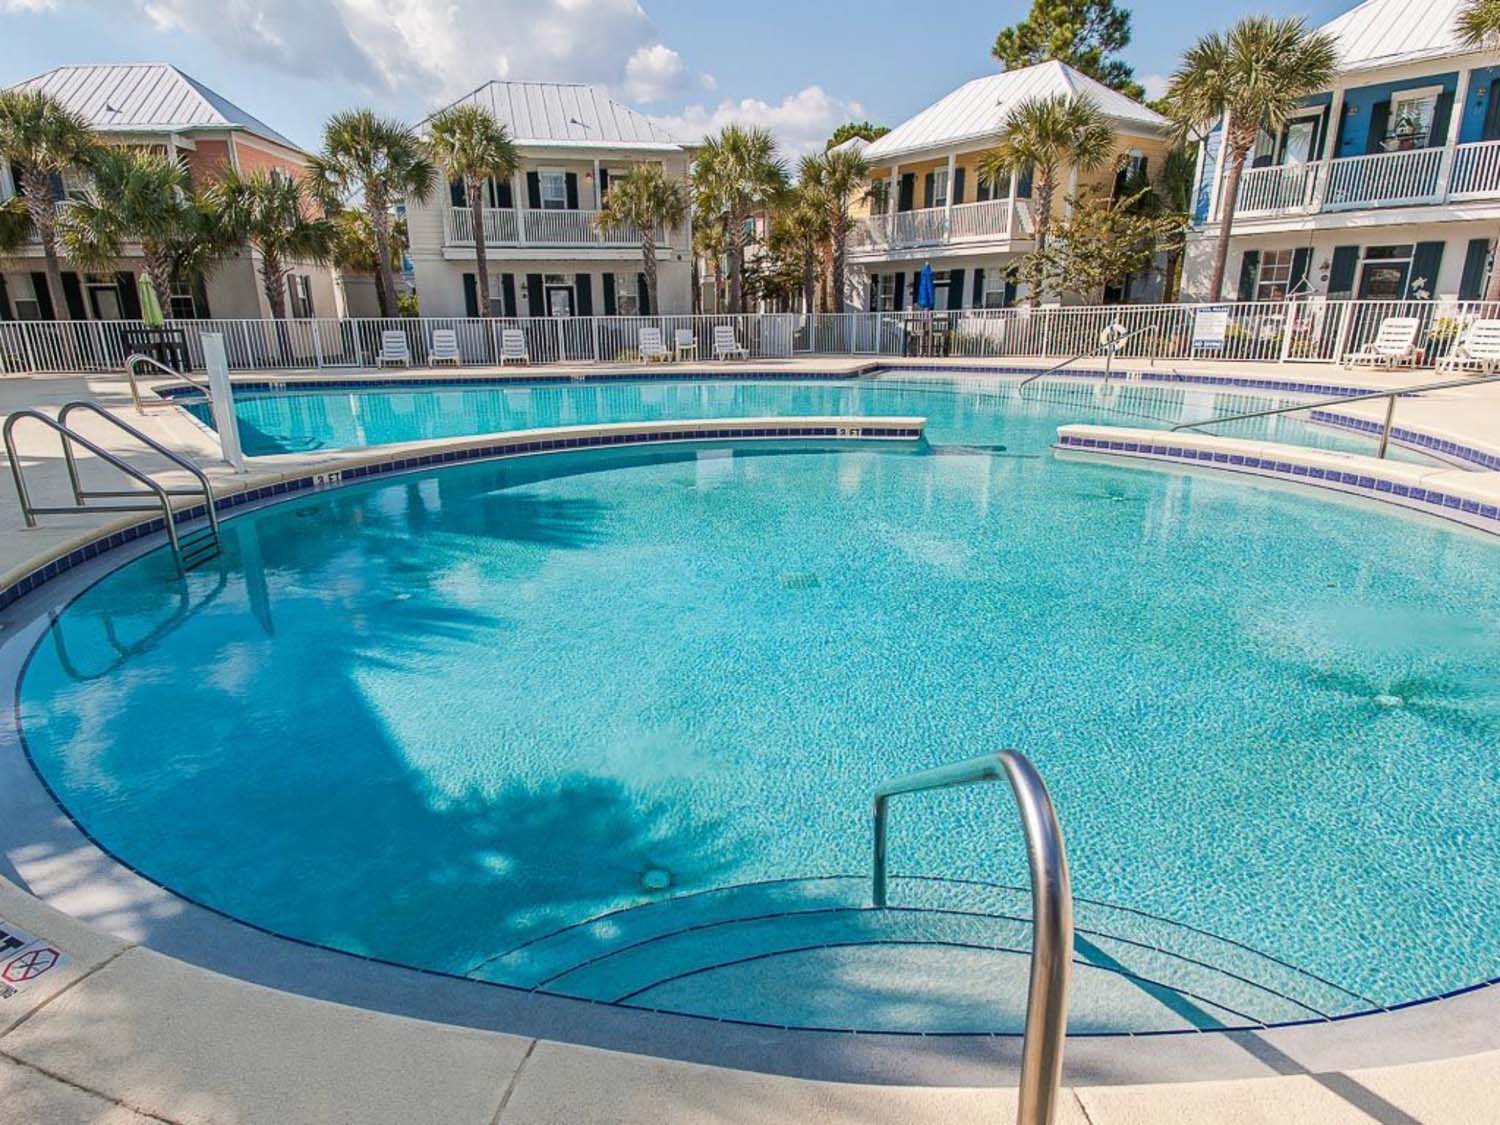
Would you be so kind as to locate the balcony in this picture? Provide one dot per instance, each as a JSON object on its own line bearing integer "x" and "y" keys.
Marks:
{"x": 964, "y": 224}
{"x": 1387, "y": 179}
{"x": 505, "y": 227}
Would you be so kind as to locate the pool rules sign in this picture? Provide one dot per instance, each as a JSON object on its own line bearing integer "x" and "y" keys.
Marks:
{"x": 24, "y": 960}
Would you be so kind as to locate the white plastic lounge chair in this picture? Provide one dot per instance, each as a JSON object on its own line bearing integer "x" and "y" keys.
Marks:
{"x": 513, "y": 347}
{"x": 651, "y": 345}
{"x": 1477, "y": 350}
{"x": 393, "y": 348}
{"x": 686, "y": 344}
{"x": 444, "y": 348}
{"x": 725, "y": 344}
{"x": 1394, "y": 344}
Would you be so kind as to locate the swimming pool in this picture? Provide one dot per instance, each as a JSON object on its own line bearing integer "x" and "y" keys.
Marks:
{"x": 606, "y": 725}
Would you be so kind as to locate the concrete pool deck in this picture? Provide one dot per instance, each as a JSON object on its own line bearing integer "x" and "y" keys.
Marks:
{"x": 124, "y": 1032}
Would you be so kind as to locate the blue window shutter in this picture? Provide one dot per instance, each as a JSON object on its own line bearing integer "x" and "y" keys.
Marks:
{"x": 1249, "y": 269}
{"x": 471, "y": 295}
{"x": 534, "y": 191}
{"x": 572, "y": 188}
{"x": 584, "y": 287}
{"x": 900, "y": 288}
{"x": 1300, "y": 259}
{"x": 643, "y": 294}
{"x": 1341, "y": 275}
{"x": 955, "y": 289}
{"x": 508, "y": 293}
{"x": 1471, "y": 287}
{"x": 1380, "y": 119}
{"x": 609, "y": 294}
{"x": 1426, "y": 261}
{"x": 1442, "y": 114}
{"x": 536, "y": 300}
{"x": 958, "y": 186}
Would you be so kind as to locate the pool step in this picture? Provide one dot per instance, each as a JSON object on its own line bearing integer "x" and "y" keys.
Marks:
{"x": 947, "y": 957}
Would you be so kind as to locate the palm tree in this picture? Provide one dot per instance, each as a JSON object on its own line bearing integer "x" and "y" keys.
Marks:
{"x": 646, "y": 198}
{"x": 737, "y": 174}
{"x": 711, "y": 243}
{"x": 1046, "y": 134}
{"x": 354, "y": 245}
{"x": 472, "y": 146}
{"x": 15, "y": 225}
{"x": 272, "y": 214}
{"x": 379, "y": 160}
{"x": 1479, "y": 26}
{"x": 140, "y": 196}
{"x": 800, "y": 226}
{"x": 41, "y": 138}
{"x": 1256, "y": 75}
{"x": 840, "y": 177}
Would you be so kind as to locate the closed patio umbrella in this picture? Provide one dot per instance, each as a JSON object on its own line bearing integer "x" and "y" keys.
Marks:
{"x": 926, "y": 292}
{"x": 150, "y": 302}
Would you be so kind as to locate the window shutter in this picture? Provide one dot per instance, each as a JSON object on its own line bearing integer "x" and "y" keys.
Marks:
{"x": 1249, "y": 267}
{"x": 508, "y": 294}
{"x": 955, "y": 289}
{"x": 1426, "y": 261}
{"x": 572, "y": 182}
{"x": 73, "y": 294}
{"x": 536, "y": 300}
{"x": 900, "y": 287}
{"x": 43, "y": 295}
{"x": 609, "y": 294}
{"x": 981, "y": 190}
{"x": 1471, "y": 287}
{"x": 603, "y": 187}
{"x": 644, "y": 294}
{"x": 584, "y": 287}
{"x": 1380, "y": 118}
{"x": 1341, "y": 276}
{"x": 958, "y": 186}
{"x": 55, "y": 183}
{"x": 907, "y": 192}
{"x": 976, "y": 301}
{"x": 1023, "y": 185}
{"x": 456, "y": 195}
{"x": 130, "y": 296}
{"x": 1300, "y": 259}
{"x": 927, "y": 189}
{"x": 1010, "y": 291}
{"x": 504, "y": 196}
{"x": 534, "y": 191}
{"x": 471, "y": 295}
{"x": 6, "y": 312}
{"x": 1492, "y": 114}
{"x": 1437, "y": 136}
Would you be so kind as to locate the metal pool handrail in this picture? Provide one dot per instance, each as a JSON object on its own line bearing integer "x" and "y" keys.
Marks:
{"x": 135, "y": 391}
{"x": 1051, "y": 908}
{"x": 1109, "y": 350}
{"x": 1364, "y": 396}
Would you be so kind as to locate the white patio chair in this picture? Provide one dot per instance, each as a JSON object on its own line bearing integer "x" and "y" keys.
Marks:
{"x": 685, "y": 344}
{"x": 444, "y": 348}
{"x": 393, "y": 348}
{"x": 513, "y": 347}
{"x": 726, "y": 346}
{"x": 1478, "y": 349}
{"x": 651, "y": 347}
{"x": 1395, "y": 343}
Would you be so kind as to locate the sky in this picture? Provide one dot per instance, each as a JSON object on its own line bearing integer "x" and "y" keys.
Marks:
{"x": 799, "y": 67}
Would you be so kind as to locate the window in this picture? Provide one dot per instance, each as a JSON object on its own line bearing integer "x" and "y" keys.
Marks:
{"x": 23, "y": 300}
{"x": 883, "y": 297}
{"x": 1412, "y": 112}
{"x": 880, "y": 196}
{"x": 940, "y": 188}
{"x": 994, "y": 288}
{"x": 627, "y": 295}
{"x": 554, "y": 190}
{"x": 1384, "y": 272}
{"x": 1275, "y": 276}
{"x": 181, "y": 305}
{"x": 76, "y": 183}
{"x": 1297, "y": 140}
{"x": 299, "y": 286}
{"x": 1135, "y": 165}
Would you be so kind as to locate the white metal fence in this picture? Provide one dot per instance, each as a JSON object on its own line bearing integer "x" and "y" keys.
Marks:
{"x": 1311, "y": 331}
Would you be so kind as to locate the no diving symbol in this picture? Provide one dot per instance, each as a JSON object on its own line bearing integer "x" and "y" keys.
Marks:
{"x": 32, "y": 963}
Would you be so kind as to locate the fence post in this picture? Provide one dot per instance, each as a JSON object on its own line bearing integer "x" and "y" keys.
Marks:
{"x": 594, "y": 332}
{"x": 317, "y": 335}
{"x": 1346, "y": 318}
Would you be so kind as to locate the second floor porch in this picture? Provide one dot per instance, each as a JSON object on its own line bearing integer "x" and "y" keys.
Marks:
{"x": 960, "y": 225}
{"x": 541, "y": 228}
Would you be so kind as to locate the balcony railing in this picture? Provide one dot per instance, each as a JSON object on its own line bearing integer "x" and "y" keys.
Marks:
{"x": 505, "y": 226}
{"x": 937, "y": 226}
{"x": 1384, "y": 179}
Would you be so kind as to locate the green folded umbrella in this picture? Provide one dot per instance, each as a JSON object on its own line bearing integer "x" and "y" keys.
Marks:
{"x": 150, "y": 303}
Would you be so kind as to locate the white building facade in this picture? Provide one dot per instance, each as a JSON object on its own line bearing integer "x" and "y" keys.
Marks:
{"x": 1384, "y": 187}
{"x": 546, "y": 253}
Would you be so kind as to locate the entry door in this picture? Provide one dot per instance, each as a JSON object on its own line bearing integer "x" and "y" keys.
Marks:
{"x": 1299, "y": 139}
{"x": 106, "y": 302}
{"x": 560, "y": 301}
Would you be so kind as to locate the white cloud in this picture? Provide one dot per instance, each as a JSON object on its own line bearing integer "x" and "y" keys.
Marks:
{"x": 1155, "y": 85}
{"x": 708, "y": 81}
{"x": 653, "y": 73}
{"x": 802, "y": 121}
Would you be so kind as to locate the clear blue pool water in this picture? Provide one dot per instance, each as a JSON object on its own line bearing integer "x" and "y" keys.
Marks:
{"x": 448, "y": 719}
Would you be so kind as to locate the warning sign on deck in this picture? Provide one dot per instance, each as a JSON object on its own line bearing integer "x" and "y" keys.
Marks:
{"x": 25, "y": 959}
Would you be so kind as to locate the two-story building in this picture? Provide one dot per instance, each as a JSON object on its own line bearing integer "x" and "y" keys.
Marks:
{"x": 155, "y": 106}
{"x": 928, "y": 203}
{"x": 547, "y": 253}
{"x": 1386, "y": 186}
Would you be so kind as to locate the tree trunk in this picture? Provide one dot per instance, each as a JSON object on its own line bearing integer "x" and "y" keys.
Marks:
{"x": 273, "y": 282}
{"x": 840, "y": 233}
{"x": 736, "y": 265}
{"x": 648, "y": 263}
{"x": 1227, "y": 206}
{"x": 1046, "y": 184}
{"x": 380, "y": 227}
{"x": 474, "y": 190}
{"x": 159, "y": 270}
{"x": 37, "y": 187}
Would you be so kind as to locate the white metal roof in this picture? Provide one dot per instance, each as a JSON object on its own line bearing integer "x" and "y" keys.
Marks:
{"x": 1386, "y": 32}
{"x": 146, "y": 98}
{"x": 568, "y": 113}
{"x": 979, "y": 108}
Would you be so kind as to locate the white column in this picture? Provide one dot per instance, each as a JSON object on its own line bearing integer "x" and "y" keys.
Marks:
{"x": 1330, "y": 148}
{"x": 518, "y": 198}
{"x": 1455, "y": 122}
{"x": 1013, "y": 225}
{"x": 598, "y": 187}
{"x": 1219, "y": 162}
{"x": 893, "y": 201}
{"x": 948, "y": 200}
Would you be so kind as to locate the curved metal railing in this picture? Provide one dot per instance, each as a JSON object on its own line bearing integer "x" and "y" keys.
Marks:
{"x": 135, "y": 390}
{"x": 1051, "y": 908}
{"x": 1110, "y": 349}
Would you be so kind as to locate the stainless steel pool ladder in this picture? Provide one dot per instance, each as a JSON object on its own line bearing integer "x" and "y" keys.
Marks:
{"x": 135, "y": 391}
{"x": 1051, "y": 908}
{"x": 1110, "y": 350}
{"x": 1390, "y": 410}
{"x": 190, "y": 550}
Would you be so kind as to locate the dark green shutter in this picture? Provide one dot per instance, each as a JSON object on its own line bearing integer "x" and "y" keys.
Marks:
{"x": 900, "y": 302}
{"x": 536, "y": 300}
{"x": 1471, "y": 286}
{"x": 534, "y": 191}
{"x": 982, "y": 190}
{"x": 1249, "y": 267}
{"x": 927, "y": 189}
{"x": 456, "y": 195}
{"x": 1437, "y": 136}
{"x": 73, "y": 294}
{"x": 603, "y": 187}
{"x": 609, "y": 294}
{"x": 1010, "y": 290}
{"x": 504, "y": 196}
{"x": 471, "y": 295}
{"x": 643, "y": 294}
{"x": 5, "y": 310}
{"x": 958, "y": 186}
{"x": 1380, "y": 119}
{"x": 907, "y": 193}
{"x": 43, "y": 295}
{"x": 977, "y": 300}
{"x": 1300, "y": 259}
{"x": 584, "y": 287}
{"x": 1023, "y": 185}
{"x": 1341, "y": 276}
{"x": 508, "y": 293}
{"x": 955, "y": 289}
{"x": 130, "y": 296}
{"x": 571, "y": 179}
{"x": 1426, "y": 261}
